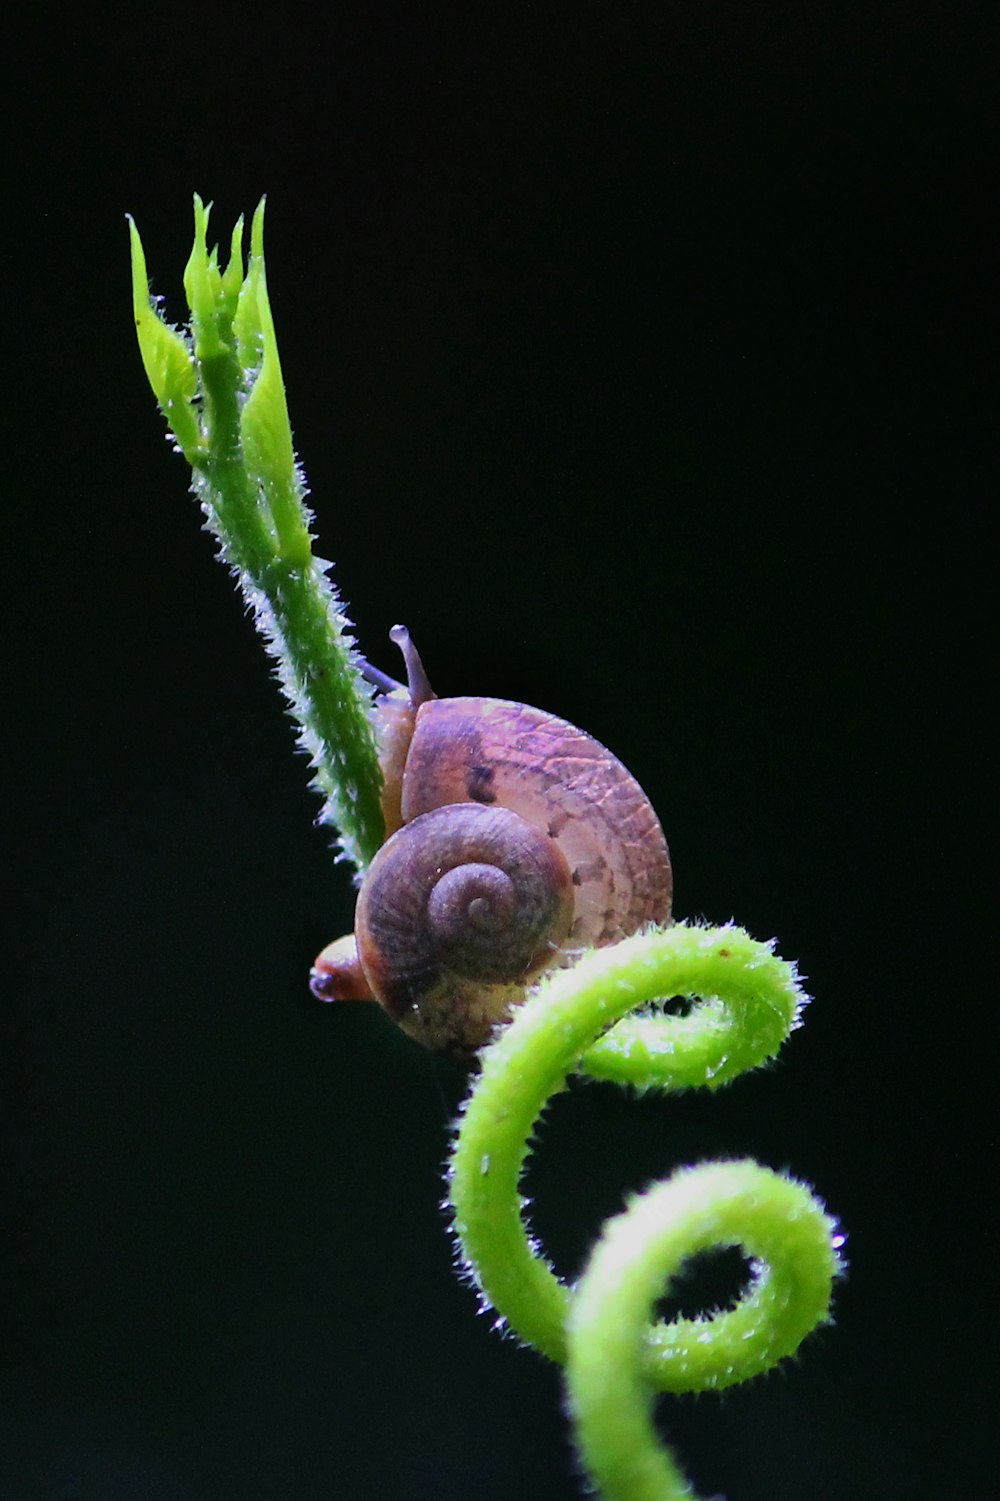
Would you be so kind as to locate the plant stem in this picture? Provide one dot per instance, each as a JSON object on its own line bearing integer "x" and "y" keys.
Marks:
{"x": 221, "y": 392}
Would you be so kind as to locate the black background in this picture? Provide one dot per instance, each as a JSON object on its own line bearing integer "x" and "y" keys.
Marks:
{"x": 640, "y": 359}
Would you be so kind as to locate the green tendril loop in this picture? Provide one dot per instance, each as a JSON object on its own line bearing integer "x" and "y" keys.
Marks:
{"x": 746, "y": 1001}
{"x": 617, "y": 1358}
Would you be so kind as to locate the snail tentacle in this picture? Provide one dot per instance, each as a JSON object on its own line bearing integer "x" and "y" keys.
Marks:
{"x": 417, "y": 681}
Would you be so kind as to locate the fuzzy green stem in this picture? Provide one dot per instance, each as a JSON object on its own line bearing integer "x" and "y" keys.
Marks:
{"x": 617, "y": 1358}
{"x": 753, "y": 1000}
{"x": 221, "y": 392}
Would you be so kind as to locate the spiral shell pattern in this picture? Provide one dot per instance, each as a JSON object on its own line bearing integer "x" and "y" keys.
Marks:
{"x": 563, "y": 782}
{"x": 460, "y": 909}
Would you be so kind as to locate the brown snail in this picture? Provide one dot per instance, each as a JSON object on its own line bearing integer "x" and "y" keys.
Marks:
{"x": 513, "y": 842}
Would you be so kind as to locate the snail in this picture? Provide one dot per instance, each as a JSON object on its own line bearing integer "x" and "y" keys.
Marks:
{"x": 513, "y": 842}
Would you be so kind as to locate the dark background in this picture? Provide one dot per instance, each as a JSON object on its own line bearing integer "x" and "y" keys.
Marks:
{"x": 641, "y": 360}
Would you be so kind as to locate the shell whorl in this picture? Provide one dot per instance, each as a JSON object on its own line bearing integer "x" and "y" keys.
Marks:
{"x": 562, "y": 781}
{"x": 460, "y": 908}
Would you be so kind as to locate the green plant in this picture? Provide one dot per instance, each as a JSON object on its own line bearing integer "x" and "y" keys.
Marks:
{"x": 747, "y": 1000}
{"x": 220, "y": 389}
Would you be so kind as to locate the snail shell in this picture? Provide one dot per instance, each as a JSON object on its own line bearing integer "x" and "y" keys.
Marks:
{"x": 515, "y": 842}
{"x": 458, "y": 911}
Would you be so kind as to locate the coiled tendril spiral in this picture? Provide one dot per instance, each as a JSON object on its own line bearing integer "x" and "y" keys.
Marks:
{"x": 616, "y": 1358}
{"x": 459, "y": 910}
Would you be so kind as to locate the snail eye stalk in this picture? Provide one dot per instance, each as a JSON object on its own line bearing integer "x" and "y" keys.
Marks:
{"x": 417, "y": 680}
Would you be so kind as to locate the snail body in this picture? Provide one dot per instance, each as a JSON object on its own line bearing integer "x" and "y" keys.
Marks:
{"x": 514, "y": 842}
